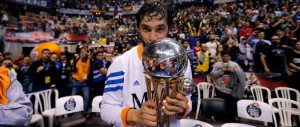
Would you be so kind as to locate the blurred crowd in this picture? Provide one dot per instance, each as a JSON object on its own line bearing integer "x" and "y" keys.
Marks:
{"x": 95, "y": 4}
{"x": 257, "y": 34}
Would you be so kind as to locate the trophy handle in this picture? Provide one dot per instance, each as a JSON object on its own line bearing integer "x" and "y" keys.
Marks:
{"x": 148, "y": 85}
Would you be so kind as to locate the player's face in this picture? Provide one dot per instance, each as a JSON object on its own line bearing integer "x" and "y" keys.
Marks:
{"x": 153, "y": 29}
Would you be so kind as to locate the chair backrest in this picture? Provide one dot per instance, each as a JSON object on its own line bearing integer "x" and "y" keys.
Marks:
{"x": 236, "y": 125}
{"x": 68, "y": 104}
{"x": 257, "y": 92}
{"x": 213, "y": 107}
{"x": 284, "y": 106}
{"x": 285, "y": 92}
{"x": 45, "y": 98}
{"x": 254, "y": 110}
{"x": 96, "y": 104}
{"x": 193, "y": 123}
{"x": 207, "y": 89}
{"x": 35, "y": 101}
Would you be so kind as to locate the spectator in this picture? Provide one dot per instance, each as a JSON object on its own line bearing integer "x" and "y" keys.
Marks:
{"x": 218, "y": 57}
{"x": 7, "y": 55}
{"x": 54, "y": 59}
{"x": 245, "y": 54}
{"x": 64, "y": 87}
{"x": 43, "y": 72}
{"x": 80, "y": 76}
{"x": 212, "y": 45}
{"x": 7, "y": 62}
{"x": 20, "y": 59}
{"x": 230, "y": 80}
{"x": 294, "y": 66}
{"x": 68, "y": 54}
{"x": 100, "y": 66}
{"x": 24, "y": 79}
{"x": 274, "y": 53}
{"x": 260, "y": 38}
{"x": 245, "y": 30}
{"x": 203, "y": 65}
{"x": 197, "y": 47}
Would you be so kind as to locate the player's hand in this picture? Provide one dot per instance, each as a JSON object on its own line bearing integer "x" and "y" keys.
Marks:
{"x": 176, "y": 106}
{"x": 147, "y": 114}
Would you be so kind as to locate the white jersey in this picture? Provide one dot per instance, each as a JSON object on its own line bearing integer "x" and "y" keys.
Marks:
{"x": 125, "y": 88}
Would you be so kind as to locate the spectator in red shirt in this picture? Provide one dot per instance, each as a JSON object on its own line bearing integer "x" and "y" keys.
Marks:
{"x": 20, "y": 59}
{"x": 245, "y": 30}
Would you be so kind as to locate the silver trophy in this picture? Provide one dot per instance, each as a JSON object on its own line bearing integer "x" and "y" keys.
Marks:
{"x": 165, "y": 62}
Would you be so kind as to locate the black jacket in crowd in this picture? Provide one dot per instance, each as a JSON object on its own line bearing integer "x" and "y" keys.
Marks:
{"x": 39, "y": 78}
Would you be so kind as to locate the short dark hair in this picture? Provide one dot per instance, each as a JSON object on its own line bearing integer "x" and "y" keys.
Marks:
{"x": 7, "y": 54}
{"x": 6, "y": 58}
{"x": 63, "y": 54}
{"x": 99, "y": 52}
{"x": 154, "y": 10}
{"x": 52, "y": 53}
{"x": 225, "y": 52}
{"x": 45, "y": 50}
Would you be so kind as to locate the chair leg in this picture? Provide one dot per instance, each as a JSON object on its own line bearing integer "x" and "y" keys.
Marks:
{"x": 198, "y": 108}
{"x": 51, "y": 121}
{"x": 275, "y": 121}
{"x": 42, "y": 122}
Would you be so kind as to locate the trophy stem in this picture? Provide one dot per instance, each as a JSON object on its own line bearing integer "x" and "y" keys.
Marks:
{"x": 167, "y": 95}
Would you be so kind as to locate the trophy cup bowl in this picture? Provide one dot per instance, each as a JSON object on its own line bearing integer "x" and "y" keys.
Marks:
{"x": 165, "y": 62}
{"x": 164, "y": 58}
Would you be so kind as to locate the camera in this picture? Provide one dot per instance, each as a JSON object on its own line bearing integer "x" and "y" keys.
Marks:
{"x": 9, "y": 66}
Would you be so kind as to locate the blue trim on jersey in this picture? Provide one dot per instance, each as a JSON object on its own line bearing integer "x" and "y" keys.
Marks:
{"x": 117, "y": 81}
{"x": 115, "y": 74}
{"x": 113, "y": 89}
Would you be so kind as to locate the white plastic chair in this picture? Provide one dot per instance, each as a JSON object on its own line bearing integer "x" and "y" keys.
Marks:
{"x": 45, "y": 105}
{"x": 285, "y": 110}
{"x": 36, "y": 118}
{"x": 96, "y": 121}
{"x": 285, "y": 92}
{"x": 208, "y": 91}
{"x": 249, "y": 109}
{"x": 236, "y": 125}
{"x": 96, "y": 103}
{"x": 257, "y": 93}
{"x": 192, "y": 123}
{"x": 67, "y": 105}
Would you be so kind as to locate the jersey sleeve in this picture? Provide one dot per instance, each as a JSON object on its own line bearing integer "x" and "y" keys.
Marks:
{"x": 112, "y": 110}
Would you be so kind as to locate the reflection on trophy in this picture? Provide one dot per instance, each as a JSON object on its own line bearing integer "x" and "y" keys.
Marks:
{"x": 165, "y": 62}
